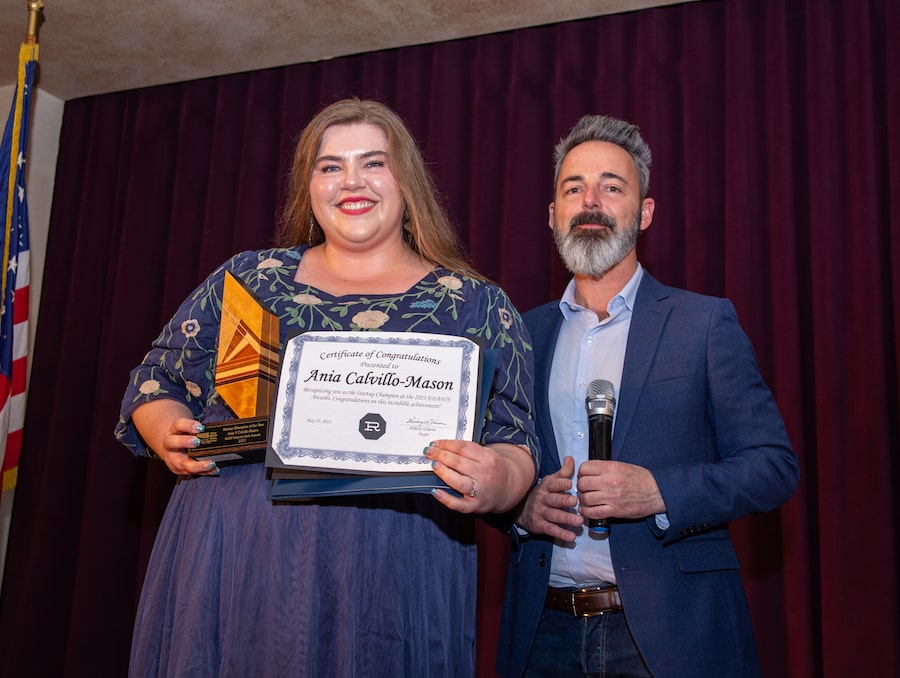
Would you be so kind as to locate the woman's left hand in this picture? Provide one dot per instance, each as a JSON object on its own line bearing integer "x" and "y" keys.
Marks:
{"x": 490, "y": 479}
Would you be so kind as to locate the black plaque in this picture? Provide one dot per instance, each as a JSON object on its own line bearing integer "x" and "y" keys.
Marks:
{"x": 239, "y": 441}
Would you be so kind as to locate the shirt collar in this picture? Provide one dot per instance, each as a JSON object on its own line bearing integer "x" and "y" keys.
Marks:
{"x": 568, "y": 305}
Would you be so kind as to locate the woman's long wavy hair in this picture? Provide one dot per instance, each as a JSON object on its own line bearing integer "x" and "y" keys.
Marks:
{"x": 427, "y": 230}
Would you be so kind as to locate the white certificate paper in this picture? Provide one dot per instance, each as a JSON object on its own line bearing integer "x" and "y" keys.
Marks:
{"x": 361, "y": 402}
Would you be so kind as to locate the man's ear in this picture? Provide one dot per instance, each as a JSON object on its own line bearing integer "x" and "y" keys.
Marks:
{"x": 552, "y": 211}
{"x": 647, "y": 213}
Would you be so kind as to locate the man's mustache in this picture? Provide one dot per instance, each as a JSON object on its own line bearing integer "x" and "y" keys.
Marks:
{"x": 583, "y": 218}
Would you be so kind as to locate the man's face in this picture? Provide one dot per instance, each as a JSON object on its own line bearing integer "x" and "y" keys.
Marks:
{"x": 598, "y": 213}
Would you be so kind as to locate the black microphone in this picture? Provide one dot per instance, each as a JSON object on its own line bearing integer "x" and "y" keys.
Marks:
{"x": 601, "y": 406}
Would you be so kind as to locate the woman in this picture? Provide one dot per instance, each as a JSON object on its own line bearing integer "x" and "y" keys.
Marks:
{"x": 377, "y": 585}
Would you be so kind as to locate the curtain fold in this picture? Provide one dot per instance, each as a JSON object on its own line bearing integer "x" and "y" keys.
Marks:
{"x": 777, "y": 180}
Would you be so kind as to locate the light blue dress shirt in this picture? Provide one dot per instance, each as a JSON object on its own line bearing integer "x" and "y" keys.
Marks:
{"x": 587, "y": 348}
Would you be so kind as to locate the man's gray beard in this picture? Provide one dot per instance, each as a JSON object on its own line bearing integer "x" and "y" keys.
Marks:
{"x": 593, "y": 252}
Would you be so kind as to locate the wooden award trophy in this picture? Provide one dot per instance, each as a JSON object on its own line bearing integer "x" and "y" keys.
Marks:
{"x": 246, "y": 374}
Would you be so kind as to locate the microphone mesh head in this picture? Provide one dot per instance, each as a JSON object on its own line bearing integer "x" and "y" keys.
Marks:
{"x": 601, "y": 398}
{"x": 601, "y": 388}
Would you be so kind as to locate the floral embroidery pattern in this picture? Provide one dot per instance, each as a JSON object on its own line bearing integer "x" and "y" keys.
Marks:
{"x": 183, "y": 359}
{"x": 148, "y": 387}
{"x": 190, "y": 328}
{"x": 308, "y": 299}
{"x": 369, "y": 320}
{"x": 270, "y": 262}
{"x": 451, "y": 282}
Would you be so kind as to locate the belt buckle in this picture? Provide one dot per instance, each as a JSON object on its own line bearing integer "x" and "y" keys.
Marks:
{"x": 584, "y": 589}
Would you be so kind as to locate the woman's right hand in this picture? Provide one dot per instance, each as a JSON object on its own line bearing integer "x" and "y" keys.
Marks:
{"x": 177, "y": 441}
{"x": 169, "y": 429}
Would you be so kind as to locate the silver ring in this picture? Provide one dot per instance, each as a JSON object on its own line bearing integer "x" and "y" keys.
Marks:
{"x": 474, "y": 490}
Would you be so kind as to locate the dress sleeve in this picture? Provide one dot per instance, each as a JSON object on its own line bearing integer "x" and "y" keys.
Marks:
{"x": 182, "y": 359}
{"x": 510, "y": 411}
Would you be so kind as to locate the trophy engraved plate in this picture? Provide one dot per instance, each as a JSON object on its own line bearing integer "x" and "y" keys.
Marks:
{"x": 234, "y": 437}
{"x": 246, "y": 375}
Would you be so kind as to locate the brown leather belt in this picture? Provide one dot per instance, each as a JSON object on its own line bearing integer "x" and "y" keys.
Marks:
{"x": 586, "y": 602}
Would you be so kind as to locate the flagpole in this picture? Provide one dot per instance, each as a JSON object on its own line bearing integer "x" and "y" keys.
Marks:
{"x": 15, "y": 276}
{"x": 35, "y": 9}
{"x": 28, "y": 52}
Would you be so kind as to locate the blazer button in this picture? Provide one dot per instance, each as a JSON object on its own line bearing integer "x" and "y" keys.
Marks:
{"x": 542, "y": 561}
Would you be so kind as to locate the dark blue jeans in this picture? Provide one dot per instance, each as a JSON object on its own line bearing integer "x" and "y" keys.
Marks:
{"x": 594, "y": 647}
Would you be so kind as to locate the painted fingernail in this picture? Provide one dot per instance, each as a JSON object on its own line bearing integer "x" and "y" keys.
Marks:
{"x": 199, "y": 428}
{"x": 195, "y": 442}
{"x": 211, "y": 465}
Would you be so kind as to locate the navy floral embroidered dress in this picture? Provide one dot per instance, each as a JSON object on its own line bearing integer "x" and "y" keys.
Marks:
{"x": 382, "y": 585}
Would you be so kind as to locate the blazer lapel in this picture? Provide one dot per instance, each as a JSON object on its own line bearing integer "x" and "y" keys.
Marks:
{"x": 547, "y": 322}
{"x": 651, "y": 308}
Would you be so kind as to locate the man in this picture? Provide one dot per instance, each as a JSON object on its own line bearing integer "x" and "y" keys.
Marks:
{"x": 697, "y": 442}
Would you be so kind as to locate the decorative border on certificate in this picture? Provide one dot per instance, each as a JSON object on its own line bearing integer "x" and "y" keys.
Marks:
{"x": 360, "y": 402}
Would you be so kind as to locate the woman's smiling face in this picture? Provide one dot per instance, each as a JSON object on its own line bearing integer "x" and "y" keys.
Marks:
{"x": 354, "y": 195}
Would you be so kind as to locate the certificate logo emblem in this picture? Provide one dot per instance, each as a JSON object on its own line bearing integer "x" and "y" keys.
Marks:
{"x": 372, "y": 426}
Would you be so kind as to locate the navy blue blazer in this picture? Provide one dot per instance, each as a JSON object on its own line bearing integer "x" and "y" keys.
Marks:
{"x": 694, "y": 410}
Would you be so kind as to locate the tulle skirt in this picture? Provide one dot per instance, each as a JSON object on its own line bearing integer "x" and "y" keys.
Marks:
{"x": 238, "y": 586}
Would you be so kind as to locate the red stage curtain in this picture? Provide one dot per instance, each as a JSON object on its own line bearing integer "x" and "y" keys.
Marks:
{"x": 773, "y": 125}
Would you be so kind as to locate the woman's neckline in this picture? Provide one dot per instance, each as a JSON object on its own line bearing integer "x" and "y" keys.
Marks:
{"x": 340, "y": 289}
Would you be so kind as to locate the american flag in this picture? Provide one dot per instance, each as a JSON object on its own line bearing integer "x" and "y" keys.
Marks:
{"x": 15, "y": 276}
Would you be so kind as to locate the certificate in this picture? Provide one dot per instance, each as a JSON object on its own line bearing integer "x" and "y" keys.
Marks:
{"x": 369, "y": 403}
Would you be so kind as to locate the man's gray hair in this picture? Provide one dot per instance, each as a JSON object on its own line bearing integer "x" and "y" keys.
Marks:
{"x": 614, "y": 131}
